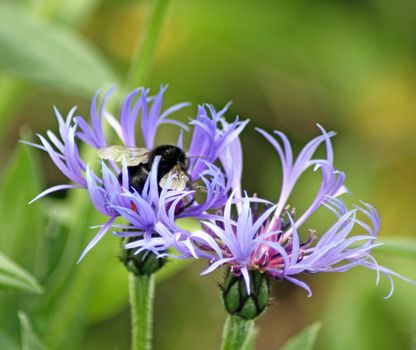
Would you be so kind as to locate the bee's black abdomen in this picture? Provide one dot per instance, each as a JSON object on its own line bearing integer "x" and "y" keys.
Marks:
{"x": 137, "y": 176}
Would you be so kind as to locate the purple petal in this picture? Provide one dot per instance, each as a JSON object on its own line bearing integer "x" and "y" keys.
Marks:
{"x": 97, "y": 238}
{"x": 53, "y": 189}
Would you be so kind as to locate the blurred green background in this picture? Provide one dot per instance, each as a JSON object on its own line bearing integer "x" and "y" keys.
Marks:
{"x": 287, "y": 65}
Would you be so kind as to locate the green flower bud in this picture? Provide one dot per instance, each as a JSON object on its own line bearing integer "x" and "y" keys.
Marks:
{"x": 238, "y": 302}
{"x": 144, "y": 263}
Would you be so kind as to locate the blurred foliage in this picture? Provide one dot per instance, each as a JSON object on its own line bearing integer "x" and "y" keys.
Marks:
{"x": 348, "y": 65}
{"x": 30, "y": 340}
{"x": 305, "y": 340}
{"x": 13, "y": 276}
{"x": 48, "y": 53}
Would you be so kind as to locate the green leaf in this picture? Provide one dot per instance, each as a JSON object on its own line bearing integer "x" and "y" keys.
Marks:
{"x": 404, "y": 246}
{"x": 110, "y": 291}
{"x": 48, "y": 53}
{"x": 15, "y": 277}
{"x": 7, "y": 342}
{"x": 21, "y": 233}
{"x": 75, "y": 12}
{"x": 71, "y": 286}
{"x": 11, "y": 92}
{"x": 29, "y": 339}
{"x": 67, "y": 310}
{"x": 305, "y": 339}
{"x": 22, "y": 224}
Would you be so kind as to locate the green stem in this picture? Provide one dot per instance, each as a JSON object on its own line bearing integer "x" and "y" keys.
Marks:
{"x": 147, "y": 42}
{"x": 142, "y": 288}
{"x": 238, "y": 334}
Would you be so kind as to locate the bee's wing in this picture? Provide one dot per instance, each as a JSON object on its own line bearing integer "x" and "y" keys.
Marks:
{"x": 178, "y": 179}
{"x": 131, "y": 155}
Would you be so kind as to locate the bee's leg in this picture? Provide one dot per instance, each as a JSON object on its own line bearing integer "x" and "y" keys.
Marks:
{"x": 188, "y": 204}
{"x": 199, "y": 188}
{"x": 195, "y": 187}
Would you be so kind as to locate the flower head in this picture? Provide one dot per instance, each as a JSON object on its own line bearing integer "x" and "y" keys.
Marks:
{"x": 274, "y": 247}
{"x": 112, "y": 193}
{"x": 269, "y": 240}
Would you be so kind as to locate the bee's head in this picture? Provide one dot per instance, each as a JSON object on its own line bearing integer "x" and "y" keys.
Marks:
{"x": 184, "y": 162}
{"x": 171, "y": 156}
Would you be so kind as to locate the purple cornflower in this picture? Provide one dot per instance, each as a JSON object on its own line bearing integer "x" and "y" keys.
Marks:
{"x": 268, "y": 241}
{"x": 213, "y": 139}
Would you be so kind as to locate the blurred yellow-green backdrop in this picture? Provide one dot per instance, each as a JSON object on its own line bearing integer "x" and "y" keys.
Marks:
{"x": 347, "y": 65}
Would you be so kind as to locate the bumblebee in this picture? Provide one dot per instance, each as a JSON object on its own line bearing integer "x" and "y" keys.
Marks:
{"x": 173, "y": 163}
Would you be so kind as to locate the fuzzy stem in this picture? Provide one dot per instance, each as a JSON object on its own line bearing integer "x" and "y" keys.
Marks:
{"x": 142, "y": 289}
{"x": 238, "y": 333}
{"x": 147, "y": 43}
